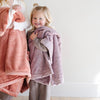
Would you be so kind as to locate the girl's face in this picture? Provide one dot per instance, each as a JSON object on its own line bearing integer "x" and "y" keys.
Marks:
{"x": 10, "y": 2}
{"x": 38, "y": 19}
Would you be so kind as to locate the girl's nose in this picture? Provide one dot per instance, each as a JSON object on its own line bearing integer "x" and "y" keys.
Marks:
{"x": 37, "y": 20}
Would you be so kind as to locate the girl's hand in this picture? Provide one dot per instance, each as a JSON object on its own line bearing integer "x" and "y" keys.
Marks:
{"x": 33, "y": 36}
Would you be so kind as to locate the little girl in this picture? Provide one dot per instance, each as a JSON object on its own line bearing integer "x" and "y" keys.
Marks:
{"x": 45, "y": 55}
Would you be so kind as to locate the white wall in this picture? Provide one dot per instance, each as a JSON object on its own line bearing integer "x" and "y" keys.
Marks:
{"x": 78, "y": 22}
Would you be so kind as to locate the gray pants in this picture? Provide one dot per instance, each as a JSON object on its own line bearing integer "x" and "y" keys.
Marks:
{"x": 4, "y": 96}
{"x": 38, "y": 91}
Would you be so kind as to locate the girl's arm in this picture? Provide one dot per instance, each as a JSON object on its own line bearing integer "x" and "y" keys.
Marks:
{"x": 20, "y": 23}
{"x": 8, "y": 16}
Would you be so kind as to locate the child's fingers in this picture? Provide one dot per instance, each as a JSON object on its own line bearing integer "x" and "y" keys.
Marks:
{"x": 36, "y": 34}
{"x": 33, "y": 36}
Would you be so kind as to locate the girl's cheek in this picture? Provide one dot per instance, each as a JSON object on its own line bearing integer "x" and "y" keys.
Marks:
{"x": 32, "y": 22}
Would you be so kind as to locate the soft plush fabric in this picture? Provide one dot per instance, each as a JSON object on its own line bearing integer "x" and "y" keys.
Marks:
{"x": 3, "y": 20}
{"x": 14, "y": 64}
{"x": 46, "y": 67}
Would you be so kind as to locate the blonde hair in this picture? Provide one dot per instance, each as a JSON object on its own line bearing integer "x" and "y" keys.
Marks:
{"x": 46, "y": 12}
{"x": 3, "y": 1}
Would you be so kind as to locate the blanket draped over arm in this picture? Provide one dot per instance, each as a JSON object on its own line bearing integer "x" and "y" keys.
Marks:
{"x": 14, "y": 65}
{"x": 46, "y": 67}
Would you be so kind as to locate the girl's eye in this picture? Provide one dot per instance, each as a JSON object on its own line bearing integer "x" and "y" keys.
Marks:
{"x": 34, "y": 18}
{"x": 40, "y": 18}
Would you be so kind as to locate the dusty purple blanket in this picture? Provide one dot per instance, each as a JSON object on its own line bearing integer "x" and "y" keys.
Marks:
{"x": 46, "y": 67}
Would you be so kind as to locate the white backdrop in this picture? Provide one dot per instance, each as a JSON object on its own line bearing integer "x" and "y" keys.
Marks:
{"x": 78, "y": 22}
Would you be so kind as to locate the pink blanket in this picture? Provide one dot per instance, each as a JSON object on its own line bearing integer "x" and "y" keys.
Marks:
{"x": 46, "y": 67}
{"x": 14, "y": 65}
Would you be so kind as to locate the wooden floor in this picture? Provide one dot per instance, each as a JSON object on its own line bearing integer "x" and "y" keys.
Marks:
{"x": 58, "y": 98}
